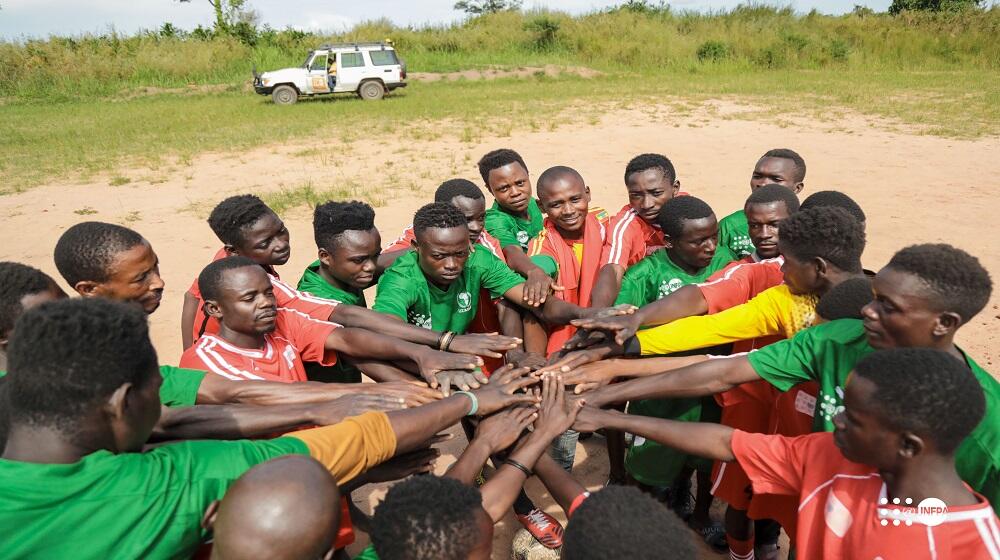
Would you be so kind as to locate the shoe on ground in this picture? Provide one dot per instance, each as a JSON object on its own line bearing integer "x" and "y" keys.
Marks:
{"x": 545, "y": 528}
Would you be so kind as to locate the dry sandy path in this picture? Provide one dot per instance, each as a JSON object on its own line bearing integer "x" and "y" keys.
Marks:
{"x": 914, "y": 189}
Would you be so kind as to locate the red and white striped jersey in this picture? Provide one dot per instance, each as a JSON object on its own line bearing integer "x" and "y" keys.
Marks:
{"x": 631, "y": 239}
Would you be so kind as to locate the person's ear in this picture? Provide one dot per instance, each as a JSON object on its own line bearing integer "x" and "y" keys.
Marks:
{"x": 586, "y": 189}
{"x": 210, "y": 515}
{"x": 821, "y": 266}
{"x": 212, "y": 309}
{"x": 798, "y": 187}
{"x": 231, "y": 250}
{"x": 677, "y": 187}
{"x": 324, "y": 257}
{"x": 118, "y": 401}
{"x": 910, "y": 445}
{"x": 667, "y": 242}
{"x": 947, "y": 323}
{"x": 87, "y": 288}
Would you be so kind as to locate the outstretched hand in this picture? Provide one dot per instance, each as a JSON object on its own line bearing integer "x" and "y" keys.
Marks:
{"x": 499, "y": 431}
{"x": 591, "y": 418}
{"x": 576, "y": 358}
{"x": 491, "y": 345}
{"x": 420, "y": 461}
{"x": 556, "y": 413}
{"x": 431, "y": 362}
{"x": 413, "y": 393}
{"x": 331, "y": 412}
{"x": 464, "y": 380}
{"x": 623, "y": 327}
{"x": 502, "y": 390}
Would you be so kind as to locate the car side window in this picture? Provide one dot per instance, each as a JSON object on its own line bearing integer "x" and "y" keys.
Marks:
{"x": 318, "y": 62}
{"x": 351, "y": 60}
{"x": 383, "y": 58}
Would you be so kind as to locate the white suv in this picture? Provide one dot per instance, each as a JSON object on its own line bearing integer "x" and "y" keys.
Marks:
{"x": 368, "y": 69}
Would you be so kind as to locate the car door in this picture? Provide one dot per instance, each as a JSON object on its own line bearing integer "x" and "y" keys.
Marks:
{"x": 351, "y": 69}
{"x": 317, "y": 82}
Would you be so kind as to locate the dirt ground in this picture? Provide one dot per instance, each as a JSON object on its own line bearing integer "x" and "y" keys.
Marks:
{"x": 913, "y": 188}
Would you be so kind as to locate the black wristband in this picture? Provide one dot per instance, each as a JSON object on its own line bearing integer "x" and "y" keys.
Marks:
{"x": 527, "y": 472}
{"x": 632, "y": 347}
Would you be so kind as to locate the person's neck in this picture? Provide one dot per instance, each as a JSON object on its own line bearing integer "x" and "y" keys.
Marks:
{"x": 947, "y": 344}
{"x": 32, "y": 444}
{"x": 333, "y": 281}
{"x": 241, "y": 340}
{"x": 570, "y": 235}
{"x": 835, "y": 277}
{"x": 680, "y": 262}
{"x": 523, "y": 214}
{"x": 932, "y": 477}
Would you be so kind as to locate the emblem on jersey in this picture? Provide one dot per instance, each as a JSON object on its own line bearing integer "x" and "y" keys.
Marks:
{"x": 831, "y": 405}
{"x": 522, "y": 237}
{"x": 669, "y": 287}
{"x": 420, "y": 320}
{"x": 464, "y": 300}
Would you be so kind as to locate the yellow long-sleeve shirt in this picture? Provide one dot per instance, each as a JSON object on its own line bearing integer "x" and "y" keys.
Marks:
{"x": 775, "y": 311}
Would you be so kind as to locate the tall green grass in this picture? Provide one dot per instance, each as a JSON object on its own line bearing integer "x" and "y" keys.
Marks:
{"x": 748, "y": 38}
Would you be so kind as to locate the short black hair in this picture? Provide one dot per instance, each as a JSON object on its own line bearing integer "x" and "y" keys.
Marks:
{"x": 680, "y": 208}
{"x": 211, "y": 275}
{"x": 233, "y": 215}
{"x": 644, "y": 162}
{"x": 68, "y": 356}
{"x": 331, "y": 219}
{"x": 16, "y": 281}
{"x": 837, "y": 199}
{"x": 785, "y": 153}
{"x": 556, "y": 173}
{"x": 426, "y": 518}
{"x": 769, "y": 194}
{"x": 827, "y": 232}
{"x": 956, "y": 280}
{"x": 623, "y": 522}
{"x": 925, "y": 391}
{"x": 457, "y": 187}
{"x": 845, "y": 300}
{"x": 437, "y": 215}
{"x": 496, "y": 159}
{"x": 87, "y": 250}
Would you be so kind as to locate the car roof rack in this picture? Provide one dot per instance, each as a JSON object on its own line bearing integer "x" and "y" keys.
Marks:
{"x": 356, "y": 45}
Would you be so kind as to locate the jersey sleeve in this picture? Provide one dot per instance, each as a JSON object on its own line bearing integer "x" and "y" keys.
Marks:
{"x": 180, "y": 386}
{"x": 402, "y": 243}
{"x": 497, "y": 276}
{"x": 634, "y": 287}
{"x": 303, "y": 302}
{"x": 787, "y": 362}
{"x": 502, "y": 228}
{"x": 774, "y": 464}
{"x": 622, "y": 246}
{"x": 309, "y": 336}
{"x": 395, "y": 295}
{"x": 351, "y": 447}
{"x": 729, "y": 289}
{"x": 755, "y": 318}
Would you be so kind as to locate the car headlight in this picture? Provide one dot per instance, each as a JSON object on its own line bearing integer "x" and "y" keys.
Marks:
{"x": 266, "y": 82}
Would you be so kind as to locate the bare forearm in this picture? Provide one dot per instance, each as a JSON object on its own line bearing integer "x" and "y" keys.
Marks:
{"x": 559, "y": 312}
{"x": 645, "y": 367}
{"x": 536, "y": 338}
{"x": 704, "y": 439}
{"x": 609, "y": 283}
{"x": 510, "y": 319}
{"x": 469, "y": 463}
{"x": 215, "y": 389}
{"x": 502, "y": 488}
{"x": 229, "y": 421}
{"x": 561, "y": 485}
{"x": 518, "y": 261}
{"x": 360, "y": 317}
{"x": 362, "y": 343}
{"x": 382, "y": 371}
{"x": 685, "y": 302}
{"x": 705, "y": 378}
{"x": 414, "y": 426}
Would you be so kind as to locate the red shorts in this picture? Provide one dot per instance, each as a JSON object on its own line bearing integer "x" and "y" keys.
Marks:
{"x": 747, "y": 408}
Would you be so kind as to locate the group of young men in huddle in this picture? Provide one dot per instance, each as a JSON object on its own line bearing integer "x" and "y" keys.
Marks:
{"x": 754, "y": 353}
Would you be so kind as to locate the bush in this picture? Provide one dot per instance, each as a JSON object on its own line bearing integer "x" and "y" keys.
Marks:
{"x": 546, "y": 30}
{"x": 713, "y": 51}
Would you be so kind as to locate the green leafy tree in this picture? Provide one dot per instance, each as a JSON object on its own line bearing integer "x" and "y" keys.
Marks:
{"x": 480, "y": 7}
{"x": 230, "y": 14}
{"x": 933, "y": 5}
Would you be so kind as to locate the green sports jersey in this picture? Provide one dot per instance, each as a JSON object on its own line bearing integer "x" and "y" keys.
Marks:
{"x": 314, "y": 283}
{"x": 734, "y": 234}
{"x": 367, "y": 554}
{"x": 656, "y": 276}
{"x": 511, "y": 230}
{"x": 179, "y": 387}
{"x": 130, "y": 505}
{"x": 404, "y": 291}
{"x": 828, "y": 352}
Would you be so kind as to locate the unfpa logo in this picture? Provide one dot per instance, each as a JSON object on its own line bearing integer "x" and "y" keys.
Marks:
{"x": 930, "y": 512}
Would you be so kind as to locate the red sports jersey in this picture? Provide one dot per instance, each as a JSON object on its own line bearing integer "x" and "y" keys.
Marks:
{"x": 844, "y": 511}
{"x": 739, "y": 283}
{"x": 286, "y": 296}
{"x": 631, "y": 239}
{"x": 296, "y": 337}
{"x": 485, "y": 239}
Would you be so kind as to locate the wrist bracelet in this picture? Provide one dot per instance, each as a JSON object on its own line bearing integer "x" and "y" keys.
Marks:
{"x": 527, "y": 472}
{"x": 473, "y": 398}
{"x": 449, "y": 340}
{"x": 440, "y": 340}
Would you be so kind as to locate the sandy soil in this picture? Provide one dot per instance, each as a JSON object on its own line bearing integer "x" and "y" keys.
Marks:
{"x": 914, "y": 189}
{"x": 492, "y": 73}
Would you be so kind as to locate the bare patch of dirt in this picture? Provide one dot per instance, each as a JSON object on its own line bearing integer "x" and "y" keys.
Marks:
{"x": 497, "y": 72}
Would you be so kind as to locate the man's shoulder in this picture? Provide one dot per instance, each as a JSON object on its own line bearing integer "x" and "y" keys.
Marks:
{"x": 737, "y": 218}
{"x": 655, "y": 262}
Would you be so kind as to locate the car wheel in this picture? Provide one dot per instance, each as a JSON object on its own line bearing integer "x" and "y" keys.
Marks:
{"x": 284, "y": 95}
{"x": 371, "y": 91}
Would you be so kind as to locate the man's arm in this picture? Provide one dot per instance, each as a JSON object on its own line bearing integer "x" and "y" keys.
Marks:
{"x": 697, "y": 380}
{"x": 215, "y": 389}
{"x": 187, "y": 320}
{"x": 595, "y": 374}
{"x": 609, "y": 282}
{"x": 703, "y": 439}
{"x": 686, "y": 302}
{"x": 386, "y": 258}
{"x": 561, "y": 485}
{"x": 494, "y": 434}
{"x": 537, "y": 282}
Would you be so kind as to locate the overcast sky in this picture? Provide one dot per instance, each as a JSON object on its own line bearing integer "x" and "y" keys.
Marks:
{"x": 39, "y": 18}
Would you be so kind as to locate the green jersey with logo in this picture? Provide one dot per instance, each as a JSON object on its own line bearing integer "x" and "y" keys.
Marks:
{"x": 648, "y": 280}
{"x": 734, "y": 234}
{"x": 405, "y": 292}
{"x": 828, "y": 352}
{"x": 314, "y": 283}
{"x": 657, "y": 276}
{"x": 179, "y": 387}
{"x": 509, "y": 229}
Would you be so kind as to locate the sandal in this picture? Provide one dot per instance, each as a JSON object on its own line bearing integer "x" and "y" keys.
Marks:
{"x": 714, "y": 535}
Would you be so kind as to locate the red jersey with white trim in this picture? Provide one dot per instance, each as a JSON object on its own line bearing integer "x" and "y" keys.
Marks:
{"x": 844, "y": 511}
{"x": 284, "y": 294}
{"x": 631, "y": 239}
{"x": 296, "y": 337}
{"x": 403, "y": 242}
{"x": 739, "y": 283}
